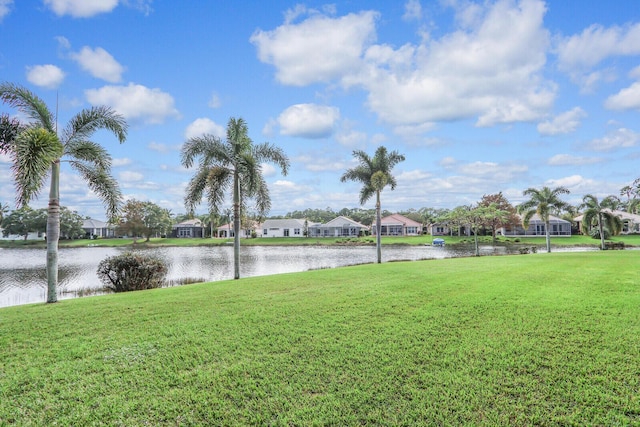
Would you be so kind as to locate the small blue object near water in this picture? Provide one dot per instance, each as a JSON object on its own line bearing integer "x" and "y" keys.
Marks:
{"x": 438, "y": 242}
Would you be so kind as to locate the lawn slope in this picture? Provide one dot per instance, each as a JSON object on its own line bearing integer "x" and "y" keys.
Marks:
{"x": 541, "y": 339}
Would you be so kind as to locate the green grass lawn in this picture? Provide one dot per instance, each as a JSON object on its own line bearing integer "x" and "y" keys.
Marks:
{"x": 577, "y": 240}
{"x": 545, "y": 339}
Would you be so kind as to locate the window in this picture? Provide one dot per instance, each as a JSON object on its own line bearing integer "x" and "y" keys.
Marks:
{"x": 265, "y": 231}
{"x": 286, "y": 232}
{"x": 296, "y": 231}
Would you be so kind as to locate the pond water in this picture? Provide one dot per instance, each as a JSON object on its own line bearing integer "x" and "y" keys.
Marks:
{"x": 23, "y": 277}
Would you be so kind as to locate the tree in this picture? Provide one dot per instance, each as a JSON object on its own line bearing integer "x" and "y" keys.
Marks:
{"x": 542, "y": 202}
{"x": 9, "y": 130}
{"x": 70, "y": 224}
{"x": 234, "y": 164}
{"x": 4, "y": 209}
{"x": 600, "y": 214}
{"x": 24, "y": 221}
{"x": 501, "y": 204}
{"x": 144, "y": 219}
{"x": 38, "y": 151}
{"x": 374, "y": 174}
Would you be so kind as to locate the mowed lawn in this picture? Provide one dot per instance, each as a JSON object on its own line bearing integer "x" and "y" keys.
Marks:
{"x": 544, "y": 339}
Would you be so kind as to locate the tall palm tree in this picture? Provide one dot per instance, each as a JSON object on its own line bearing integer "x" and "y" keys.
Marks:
{"x": 374, "y": 174}
{"x": 542, "y": 202}
{"x": 601, "y": 214}
{"x": 231, "y": 164}
{"x": 38, "y": 151}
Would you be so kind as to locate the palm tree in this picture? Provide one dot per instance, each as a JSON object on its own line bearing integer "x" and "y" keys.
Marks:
{"x": 601, "y": 214}
{"x": 374, "y": 174}
{"x": 231, "y": 164}
{"x": 38, "y": 151}
{"x": 542, "y": 202}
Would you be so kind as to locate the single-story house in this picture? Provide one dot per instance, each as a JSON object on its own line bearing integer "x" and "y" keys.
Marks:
{"x": 32, "y": 235}
{"x": 188, "y": 228}
{"x": 289, "y": 227}
{"x": 397, "y": 225}
{"x": 443, "y": 229}
{"x": 630, "y": 221}
{"x": 225, "y": 231}
{"x": 558, "y": 227}
{"x": 96, "y": 228}
{"x": 338, "y": 227}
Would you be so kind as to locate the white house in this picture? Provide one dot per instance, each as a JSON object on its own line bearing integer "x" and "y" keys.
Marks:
{"x": 290, "y": 227}
{"x": 397, "y": 225}
{"x": 558, "y": 227}
{"x": 630, "y": 222}
{"x": 97, "y": 228}
{"x": 338, "y": 227}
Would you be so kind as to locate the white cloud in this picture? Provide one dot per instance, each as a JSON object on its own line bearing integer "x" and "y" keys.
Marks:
{"x": 474, "y": 71}
{"x": 99, "y": 63}
{"x": 203, "y": 126}
{"x": 594, "y": 44}
{"x": 121, "y": 162}
{"x": 337, "y": 45}
{"x": 574, "y": 183}
{"x": 619, "y": 138}
{"x": 412, "y": 10}
{"x": 136, "y": 103}
{"x": 81, "y": 8}
{"x": 214, "y": 101}
{"x": 626, "y": 99}
{"x": 160, "y": 148}
{"x": 128, "y": 176}
{"x": 563, "y": 123}
{"x": 47, "y": 76}
{"x": 308, "y": 120}
{"x": 5, "y": 8}
{"x": 569, "y": 160}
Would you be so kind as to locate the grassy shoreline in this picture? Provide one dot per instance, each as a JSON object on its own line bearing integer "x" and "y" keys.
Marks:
{"x": 628, "y": 240}
{"x": 546, "y": 339}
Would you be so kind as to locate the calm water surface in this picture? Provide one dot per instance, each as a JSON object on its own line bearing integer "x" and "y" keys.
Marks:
{"x": 23, "y": 278}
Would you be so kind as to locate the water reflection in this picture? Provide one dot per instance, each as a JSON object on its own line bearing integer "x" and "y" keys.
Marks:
{"x": 23, "y": 278}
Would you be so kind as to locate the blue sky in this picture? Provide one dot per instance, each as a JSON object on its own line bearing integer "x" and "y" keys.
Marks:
{"x": 480, "y": 96}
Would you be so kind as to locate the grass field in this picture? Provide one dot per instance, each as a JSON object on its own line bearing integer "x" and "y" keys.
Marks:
{"x": 577, "y": 240}
{"x": 545, "y": 339}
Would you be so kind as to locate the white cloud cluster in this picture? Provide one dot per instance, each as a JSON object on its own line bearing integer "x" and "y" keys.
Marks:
{"x": 81, "y": 8}
{"x": 626, "y": 99}
{"x": 475, "y": 71}
{"x": 570, "y": 160}
{"x": 203, "y": 126}
{"x": 47, "y": 76}
{"x": 308, "y": 120}
{"x": 99, "y": 63}
{"x": 5, "y": 8}
{"x": 566, "y": 122}
{"x": 319, "y": 49}
{"x": 619, "y": 138}
{"x": 135, "y": 102}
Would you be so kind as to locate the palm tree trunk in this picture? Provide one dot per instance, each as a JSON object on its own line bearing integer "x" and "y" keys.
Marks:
{"x": 378, "y": 228}
{"x": 548, "y": 236}
{"x": 236, "y": 225}
{"x": 601, "y": 232}
{"x": 53, "y": 233}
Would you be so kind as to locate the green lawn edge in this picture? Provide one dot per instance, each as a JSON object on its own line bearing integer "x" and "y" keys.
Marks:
{"x": 544, "y": 339}
{"x": 577, "y": 240}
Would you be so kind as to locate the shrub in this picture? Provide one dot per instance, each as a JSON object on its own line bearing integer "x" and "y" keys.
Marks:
{"x": 595, "y": 233}
{"x": 131, "y": 272}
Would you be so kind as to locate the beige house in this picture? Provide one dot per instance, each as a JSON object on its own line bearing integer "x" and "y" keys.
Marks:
{"x": 397, "y": 225}
{"x": 630, "y": 222}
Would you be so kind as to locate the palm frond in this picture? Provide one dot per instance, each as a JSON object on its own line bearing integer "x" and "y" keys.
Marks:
{"x": 29, "y": 104}
{"x": 84, "y": 124}
{"x": 34, "y": 151}
{"x": 103, "y": 184}
{"x": 88, "y": 151}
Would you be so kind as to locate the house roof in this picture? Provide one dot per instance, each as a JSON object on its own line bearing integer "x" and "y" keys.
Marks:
{"x": 94, "y": 223}
{"x": 552, "y": 219}
{"x": 343, "y": 221}
{"x": 397, "y": 219}
{"x": 195, "y": 222}
{"x": 283, "y": 223}
{"x": 622, "y": 214}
